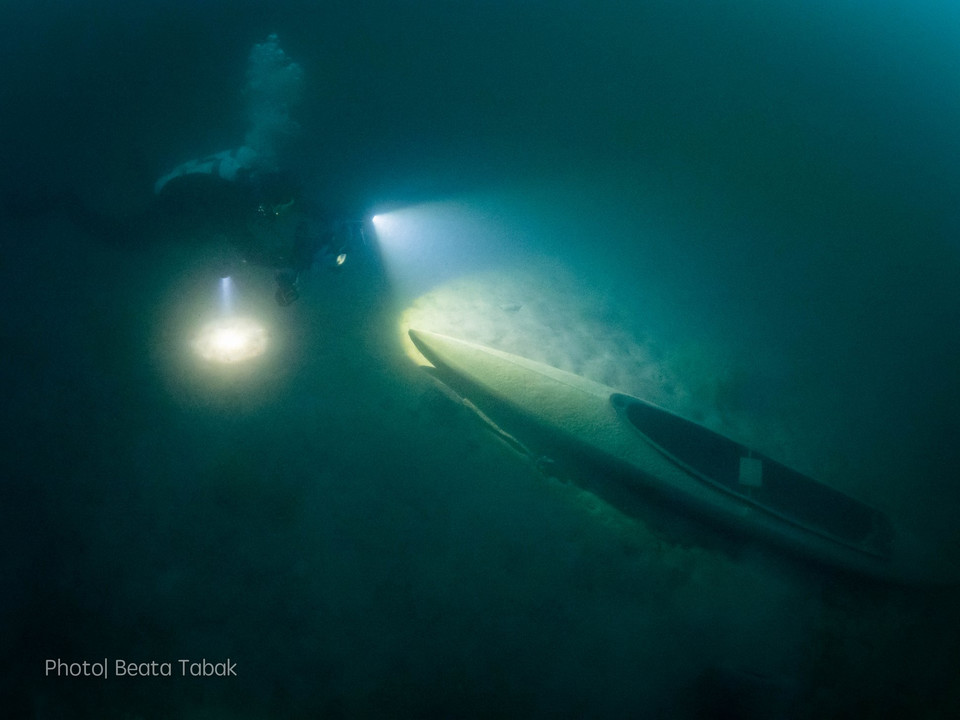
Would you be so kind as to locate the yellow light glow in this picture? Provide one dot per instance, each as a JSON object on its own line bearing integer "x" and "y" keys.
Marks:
{"x": 230, "y": 340}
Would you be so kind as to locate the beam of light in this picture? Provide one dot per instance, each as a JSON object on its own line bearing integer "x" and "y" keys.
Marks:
{"x": 226, "y": 295}
{"x": 230, "y": 340}
{"x": 427, "y": 244}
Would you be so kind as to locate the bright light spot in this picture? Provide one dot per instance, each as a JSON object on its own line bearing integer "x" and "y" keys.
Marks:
{"x": 377, "y": 219}
{"x": 341, "y": 258}
{"x": 509, "y": 309}
{"x": 230, "y": 340}
{"x": 544, "y": 313}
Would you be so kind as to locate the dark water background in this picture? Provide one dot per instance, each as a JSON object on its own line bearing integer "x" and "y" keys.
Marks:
{"x": 775, "y": 183}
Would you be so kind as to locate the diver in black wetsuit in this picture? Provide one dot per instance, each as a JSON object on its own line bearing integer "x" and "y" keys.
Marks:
{"x": 243, "y": 194}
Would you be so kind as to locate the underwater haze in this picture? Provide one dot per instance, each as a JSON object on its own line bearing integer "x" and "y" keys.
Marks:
{"x": 746, "y": 212}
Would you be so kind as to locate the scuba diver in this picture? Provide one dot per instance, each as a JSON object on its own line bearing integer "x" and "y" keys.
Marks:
{"x": 245, "y": 196}
{"x": 266, "y": 223}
